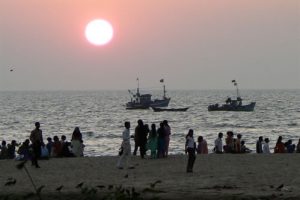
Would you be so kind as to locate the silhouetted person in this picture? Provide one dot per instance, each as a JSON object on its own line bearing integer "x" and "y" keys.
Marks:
{"x": 167, "y": 130}
{"x": 11, "y": 149}
{"x": 65, "y": 147}
{"x": 36, "y": 138}
{"x": 49, "y": 145}
{"x": 76, "y": 134}
{"x": 219, "y": 144}
{"x": 161, "y": 140}
{"x": 290, "y": 148}
{"x": 190, "y": 148}
{"x": 279, "y": 148}
{"x": 125, "y": 157}
{"x": 259, "y": 145}
{"x": 24, "y": 151}
{"x": 3, "y": 153}
{"x": 202, "y": 146}
{"x": 56, "y": 150}
{"x": 266, "y": 148}
{"x": 140, "y": 138}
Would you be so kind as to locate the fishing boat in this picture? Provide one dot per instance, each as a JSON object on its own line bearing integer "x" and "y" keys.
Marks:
{"x": 233, "y": 104}
{"x": 144, "y": 101}
{"x": 156, "y": 109}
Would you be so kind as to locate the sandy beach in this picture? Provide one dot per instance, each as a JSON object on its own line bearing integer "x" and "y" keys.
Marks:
{"x": 227, "y": 176}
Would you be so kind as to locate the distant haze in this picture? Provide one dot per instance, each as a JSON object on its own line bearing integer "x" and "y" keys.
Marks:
{"x": 192, "y": 44}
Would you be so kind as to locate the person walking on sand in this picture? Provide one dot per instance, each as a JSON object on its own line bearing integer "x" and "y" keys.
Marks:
{"x": 190, "y": 148}
{"x": 219, "y": 144}
{"x": 266, "y": 148}
{"x": 125, "y": 157}
{"x": 36, "y": 138}
{"x": 259, "y": 145}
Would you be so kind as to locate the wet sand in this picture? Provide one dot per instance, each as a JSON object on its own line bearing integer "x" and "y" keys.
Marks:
{"x": 227, "y": 176}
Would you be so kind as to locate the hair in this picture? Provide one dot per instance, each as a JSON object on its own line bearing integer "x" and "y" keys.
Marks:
{"x": 267, "y": 140}
{"x": 37, "y": 124}
{"x": 200, "y": 139}
{"x": 190, "y": 133}
{"x": 279, "y": 139}
{"x": 63, "y": 137}
{"x": 55, "y": 138}
{"x": 239, "y": 136}
{"x": 140, "y": 122}
{"x": 220, "y": 134}
{"x": 126, "y": 124}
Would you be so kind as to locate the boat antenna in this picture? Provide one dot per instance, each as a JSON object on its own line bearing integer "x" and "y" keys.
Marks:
{"x": 237, "y": 89}
{"x": 164, "y": 87}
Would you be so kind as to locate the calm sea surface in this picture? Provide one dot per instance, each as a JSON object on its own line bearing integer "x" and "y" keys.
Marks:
{"x": 101, "y": 115}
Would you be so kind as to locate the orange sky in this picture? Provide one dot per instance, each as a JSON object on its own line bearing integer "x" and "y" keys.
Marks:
{"x": 193, "y": 44}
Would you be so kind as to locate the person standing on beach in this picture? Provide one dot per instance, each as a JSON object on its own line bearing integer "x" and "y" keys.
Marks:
{"x": 125, "y": 157}
{"x": 36, "y": 138}
{"x": 298, "y": 147}
{"x": 259, "y": 145}
{"x": 190, "y": 148}
{"x": 140, "y": 138}
{"x": 152, "y": 141}
{"x": 279, "y": 148}
{"x": 161, "y": 141}
{"x": 219, "y": 144}
{"x": 266, "y": 148}
{"x": 167, "y": 130}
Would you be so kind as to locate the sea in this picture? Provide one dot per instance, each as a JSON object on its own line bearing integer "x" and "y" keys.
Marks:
{"x": 101, "y": 115}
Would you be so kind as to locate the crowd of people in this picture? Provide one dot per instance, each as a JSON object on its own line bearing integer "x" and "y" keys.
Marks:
{"x": 155, "y": 140}
{"x": 34, "y": 148}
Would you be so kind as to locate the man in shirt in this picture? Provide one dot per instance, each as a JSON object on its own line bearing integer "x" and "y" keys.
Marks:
{"x": 126, "y": 147}
{"x": 36, "y": 138}
{"x": 219, "y": 144}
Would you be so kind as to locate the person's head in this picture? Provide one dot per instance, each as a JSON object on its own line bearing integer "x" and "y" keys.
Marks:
{"x": 190, "y": 133}
{"x": 279, "y": 140}
{"x": 26, "y": 142}
{"x": 239, "y": 136}
{"x": 200, "y": 139}
{"x": 260, "y": 138}
{"x": 140, "y": 122}
{"x": 242, "y": 142}
{"x": 267, "y": 140}
{"x": 13, "y": 142}
{"x": 3, "y": 143}
{"x": 63, "y": 138}
{"x": 161, "y": 125}
{"x": 220, "y": 135}
{"x": 165, "y": 122}
{"x": 37, "y": 125}
{"x": 229, "y": 133}
{"x": 153, "y": 127}
{"x": 127, "y": 124}
{"x": 290, "y": 141}
{"x": 55, "y": 138}
{"x": 49, "y": 139}
{"x": 76, "y": 130}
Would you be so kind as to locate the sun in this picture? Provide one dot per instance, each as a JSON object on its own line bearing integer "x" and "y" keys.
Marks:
{"x": 99, "y": 32}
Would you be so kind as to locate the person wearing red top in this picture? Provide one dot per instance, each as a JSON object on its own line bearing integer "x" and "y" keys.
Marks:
{"x": 279, "y": 148}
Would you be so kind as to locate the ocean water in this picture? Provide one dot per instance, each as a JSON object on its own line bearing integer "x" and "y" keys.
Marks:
{"x": 101, "y": 115}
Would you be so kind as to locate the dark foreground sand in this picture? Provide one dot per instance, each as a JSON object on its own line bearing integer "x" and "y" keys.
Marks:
{"x": 215, "y": 177}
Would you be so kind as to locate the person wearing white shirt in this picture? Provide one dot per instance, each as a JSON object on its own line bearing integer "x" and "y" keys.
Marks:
{"x": 190, "y": 148}
{"x": 125, "y": 157}
{"x": 266, "y": 148}
{"x": 219, "y": 144}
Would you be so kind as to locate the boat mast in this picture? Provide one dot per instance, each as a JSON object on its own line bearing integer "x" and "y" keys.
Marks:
{"x": 138, "y": 87}
{"x": 237, "y": 89}
{"x": 164, "y": 88}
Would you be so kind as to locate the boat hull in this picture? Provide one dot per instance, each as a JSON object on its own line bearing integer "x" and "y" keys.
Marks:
{"x": 147, "y": 105}
{"x": 226, "y": 107}
{"x": 169, "y": 109}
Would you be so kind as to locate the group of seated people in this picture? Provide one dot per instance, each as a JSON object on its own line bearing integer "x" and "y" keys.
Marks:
{"x": 53, "y": 148}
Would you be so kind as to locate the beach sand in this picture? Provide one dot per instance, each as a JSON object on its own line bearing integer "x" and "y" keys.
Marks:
{"x": 229, "y": 176}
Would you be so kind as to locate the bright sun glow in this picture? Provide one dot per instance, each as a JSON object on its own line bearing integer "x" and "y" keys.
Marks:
{"x": 99, "y": 32}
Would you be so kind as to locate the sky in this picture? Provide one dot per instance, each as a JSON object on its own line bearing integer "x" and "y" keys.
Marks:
{"x": 191, "y": 44}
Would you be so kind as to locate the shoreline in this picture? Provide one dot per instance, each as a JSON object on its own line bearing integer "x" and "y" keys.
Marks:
{"x": 226, "y": 176}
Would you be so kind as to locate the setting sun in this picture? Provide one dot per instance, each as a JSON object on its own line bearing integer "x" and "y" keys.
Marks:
{"x": 99, "y": 32}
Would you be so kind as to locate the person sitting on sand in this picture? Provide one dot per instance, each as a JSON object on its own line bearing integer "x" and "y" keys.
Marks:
{"x": 11, "y": 149}
{"x": 290, "y": 148}
{"x": 266, "y": 148}
{"x": 244, "y": 149}
{"x": 279, "y": 148}
{"x": 153, "y": 141}
{"x": 202, "y": 146}
{"x": 298, "y": 147}
{"x": 3, "y": 153}
{"x": 259, "y": 145}
{"x": 49, "y": 145}
{"x": 190, "y": 148}
{"x": 219, "y": 144}
{"x": 65, "y": 147}
{"x": 56, "y": 150}
{"x": 24, "y": 150}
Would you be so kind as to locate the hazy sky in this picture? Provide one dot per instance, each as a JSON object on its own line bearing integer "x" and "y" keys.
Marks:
{"x": 192, "y": 44}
